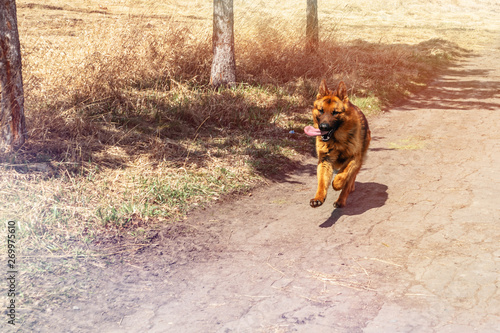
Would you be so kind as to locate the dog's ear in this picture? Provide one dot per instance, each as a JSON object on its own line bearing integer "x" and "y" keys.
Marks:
{"x": 342, "y": 92}
{"x": 323, "y": 90}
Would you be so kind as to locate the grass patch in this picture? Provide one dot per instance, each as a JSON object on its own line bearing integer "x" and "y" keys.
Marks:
{"x": 411, "y": 143}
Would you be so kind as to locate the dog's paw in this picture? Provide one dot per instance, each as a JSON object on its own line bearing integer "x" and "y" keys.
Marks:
{"x": 316, "y": 202}
{"x": 339, "y": 204}
{"x": 339, "y": 182}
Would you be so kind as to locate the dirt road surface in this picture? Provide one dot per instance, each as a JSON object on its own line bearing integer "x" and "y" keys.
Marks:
{"x": 417, "y": 249}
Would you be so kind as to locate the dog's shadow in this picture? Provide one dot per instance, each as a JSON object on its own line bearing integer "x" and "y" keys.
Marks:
{"x": 366, "y": 196}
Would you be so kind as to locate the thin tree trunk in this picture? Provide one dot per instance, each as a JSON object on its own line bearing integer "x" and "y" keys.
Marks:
{"x": 223, "y": 64}
{"x": 12, "y": 122}
{"x": 312, "y": 29}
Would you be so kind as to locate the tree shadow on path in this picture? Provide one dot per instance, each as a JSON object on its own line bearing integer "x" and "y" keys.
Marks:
{"x": 366, "y": 196}
{"x": 459, "y": 89}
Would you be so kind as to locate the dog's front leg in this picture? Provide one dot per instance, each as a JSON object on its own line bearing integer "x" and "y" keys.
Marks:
{"x": 345, "y": 181}
{"x": 325, "y": 172}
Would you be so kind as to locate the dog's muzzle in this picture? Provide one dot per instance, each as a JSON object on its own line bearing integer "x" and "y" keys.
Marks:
{"x": 326, "y": 131}
{"x": 327, "y": 135}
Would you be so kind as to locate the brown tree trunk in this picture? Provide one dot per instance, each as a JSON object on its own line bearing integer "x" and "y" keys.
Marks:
{"x": 12, "y": 123}
{"x": 223, "y": 63}
{"x": 312, "y": 29}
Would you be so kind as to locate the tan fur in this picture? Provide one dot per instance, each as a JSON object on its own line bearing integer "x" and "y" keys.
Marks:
{"x": 347, "y": 147}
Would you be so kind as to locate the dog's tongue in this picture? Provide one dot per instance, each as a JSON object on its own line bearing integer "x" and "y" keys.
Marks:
{"x": 311, "y": 131}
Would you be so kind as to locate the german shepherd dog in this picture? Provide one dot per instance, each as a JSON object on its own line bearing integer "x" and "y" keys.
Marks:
{"x": 342, "y": 139}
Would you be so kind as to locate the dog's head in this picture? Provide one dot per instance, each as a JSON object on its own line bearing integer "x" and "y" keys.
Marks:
{"x": 329, "y": 109}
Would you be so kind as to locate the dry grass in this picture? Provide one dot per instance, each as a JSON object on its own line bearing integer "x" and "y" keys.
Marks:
{"x": 124, "y": 131}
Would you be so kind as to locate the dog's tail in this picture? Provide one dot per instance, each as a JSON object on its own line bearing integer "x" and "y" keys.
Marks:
{"x": 366, "y": 133}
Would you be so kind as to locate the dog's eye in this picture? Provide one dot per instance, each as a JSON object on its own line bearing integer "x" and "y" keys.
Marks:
{"x": 321, "y": 111}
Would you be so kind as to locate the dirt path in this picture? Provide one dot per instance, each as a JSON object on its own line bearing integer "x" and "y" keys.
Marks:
{"x": 417, "y": 249}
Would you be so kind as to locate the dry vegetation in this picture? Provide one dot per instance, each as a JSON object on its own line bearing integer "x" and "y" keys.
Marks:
{"x": 124, "y": 132}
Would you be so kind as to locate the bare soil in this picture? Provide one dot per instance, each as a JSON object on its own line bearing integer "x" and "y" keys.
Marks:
{"x": 415, "y": 250}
